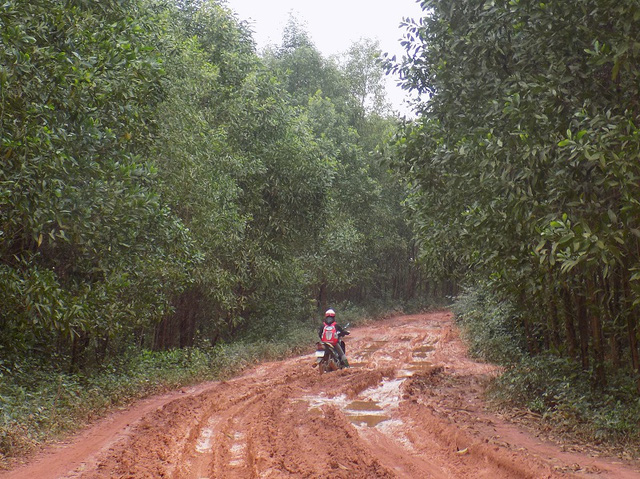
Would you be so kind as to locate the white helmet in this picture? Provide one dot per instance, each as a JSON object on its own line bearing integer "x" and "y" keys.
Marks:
{"x": 330, "y": 312}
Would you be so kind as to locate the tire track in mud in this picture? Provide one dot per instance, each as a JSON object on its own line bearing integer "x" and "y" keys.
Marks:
{"x": 410, "y": 408}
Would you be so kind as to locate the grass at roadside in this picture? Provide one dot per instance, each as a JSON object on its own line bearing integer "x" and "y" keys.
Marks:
{"x": 37, "y": 405}
{"x": 554, "y": 388}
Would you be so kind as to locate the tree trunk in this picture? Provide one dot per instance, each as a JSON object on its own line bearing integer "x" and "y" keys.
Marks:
{"x": 321, "y": 300}
{"x": 596, "y": 334}
{"x": 632, "y": 331}
{"x": 527, "y": 334}
{"x": 570, "y": 330}
{"x": 78, "y": 351}
{"x": 554, "y": 325}
{"x": 633, "y": 346}
{"x": 583, "y": 330}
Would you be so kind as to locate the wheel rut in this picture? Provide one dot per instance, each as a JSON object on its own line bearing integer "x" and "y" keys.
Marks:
{"x": 411, "y": 407}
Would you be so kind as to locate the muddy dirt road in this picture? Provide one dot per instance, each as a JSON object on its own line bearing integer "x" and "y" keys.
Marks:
{"x": 410, "y": 407}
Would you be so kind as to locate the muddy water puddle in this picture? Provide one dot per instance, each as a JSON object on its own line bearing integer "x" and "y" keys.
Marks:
{"x": 374, "y": 346}
{"x": 414, "y": 367}
{"x": 357, "y": 364}
{"x": 367, "y": 413}
{"x": 419, "y": 365}
{"x": 422, "y": 352}
{"x": 238, "y": 449}
{"x": 407, "y": 338}
{"x": 204, "y": 444}
{"x": 365, "y": 353}
{"x": 369, "y": 420}
{"x": 370, "y": 411}
{"x": 427, "y": 348}
{"x": 315, "y": 411}
{"x": 364, "y": 406}
{"x": 420, "y": 355}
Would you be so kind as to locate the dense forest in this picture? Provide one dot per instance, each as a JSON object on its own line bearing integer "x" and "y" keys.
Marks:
{"x": 165, "y": 186}
{"x": 163, "y": 183}
{"x": 524, "y": 167}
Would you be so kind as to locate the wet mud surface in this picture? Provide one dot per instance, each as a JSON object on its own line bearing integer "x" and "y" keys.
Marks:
{"x": 410, "y": 407}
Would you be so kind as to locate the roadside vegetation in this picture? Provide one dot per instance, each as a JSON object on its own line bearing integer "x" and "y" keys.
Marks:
{"x": 523, "y": 168}
{"x": 554, "y": 388}
{"x": 175, "y": 204}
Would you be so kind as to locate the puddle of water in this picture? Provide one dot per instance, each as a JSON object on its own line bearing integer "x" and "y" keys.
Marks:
{"x": 419, "y": 366}
{"x": 364, "y": 406}
{"x": 414, "y": 367}
{"x": 427, "y": 348}
{"x": 420, "y": 355}
{"x": 374, "y": 346}
{"x": 396, "y": 429}
{"x": 387, "y": 395}
{"x": 387, "y": 358}
{"x": 204, "y": 444}
{"x": 369, "y": 411}
{"x": 370, "y": 420}
{"x": 371, "y": 349}
{"x": 357, "y": 364}
{"x": 205, "y": 440}
{"x": 318, "y": 401}
{"x": 237, "y": 450}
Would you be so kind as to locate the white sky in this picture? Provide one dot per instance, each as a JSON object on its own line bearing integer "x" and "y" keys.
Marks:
{"x": 334, "y": 25}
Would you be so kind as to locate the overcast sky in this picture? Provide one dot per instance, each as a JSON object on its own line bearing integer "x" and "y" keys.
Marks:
{"x": 333, "y": 25}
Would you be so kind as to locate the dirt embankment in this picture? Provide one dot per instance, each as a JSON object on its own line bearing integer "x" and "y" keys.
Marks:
{"x": 410, "y": 407}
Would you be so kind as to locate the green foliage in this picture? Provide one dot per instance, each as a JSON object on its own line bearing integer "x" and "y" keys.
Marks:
{"x": 523, "y": 165}
{"x": 555, "y": 387}
{"x": 302, "y": 68}
{"x": 559, "y": 390}
{"x": 162, "y": 187}
{"x": 490, "y": 325}
{"x": 82, "y": 223}
{"x": 365, "y": 77}
{"x": 363, "y": 244}
{"x": 157, "y": 170}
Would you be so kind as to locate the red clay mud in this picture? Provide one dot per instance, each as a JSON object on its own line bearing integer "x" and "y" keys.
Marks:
{"x": 412, "y": 407}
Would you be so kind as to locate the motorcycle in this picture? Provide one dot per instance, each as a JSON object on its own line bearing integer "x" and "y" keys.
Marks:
{"x": 327, "y": 358}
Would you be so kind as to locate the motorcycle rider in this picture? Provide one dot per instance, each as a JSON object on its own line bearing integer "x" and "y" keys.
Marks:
{"x": 330, "y": 332}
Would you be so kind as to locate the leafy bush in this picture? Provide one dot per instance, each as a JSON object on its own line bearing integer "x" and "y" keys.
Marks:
{"x": 559, "y": 390}
{"x": 555, "y": 387}
{"x": 489, "y": 325}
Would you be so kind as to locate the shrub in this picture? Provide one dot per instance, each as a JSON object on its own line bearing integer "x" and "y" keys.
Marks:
{"x": 555, "y": 387}
{"x": 559, "y": 390}
{"x": 489, "y": 325}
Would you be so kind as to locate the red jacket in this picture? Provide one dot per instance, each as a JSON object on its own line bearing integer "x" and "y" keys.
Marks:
{"x": 329, "y": 333}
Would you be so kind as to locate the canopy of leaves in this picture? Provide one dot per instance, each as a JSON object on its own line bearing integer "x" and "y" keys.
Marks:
{"x": 161, "y": 183}
{"x": 524, "y": 162}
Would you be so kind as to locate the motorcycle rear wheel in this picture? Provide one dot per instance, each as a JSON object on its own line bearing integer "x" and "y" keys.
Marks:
{"x": 321, "y": 367}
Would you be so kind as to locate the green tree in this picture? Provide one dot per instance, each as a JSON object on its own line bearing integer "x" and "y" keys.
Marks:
{"x": 82, "y": 223}
{"x": 365, "y": 77}
{"x": 524, "y": 162}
